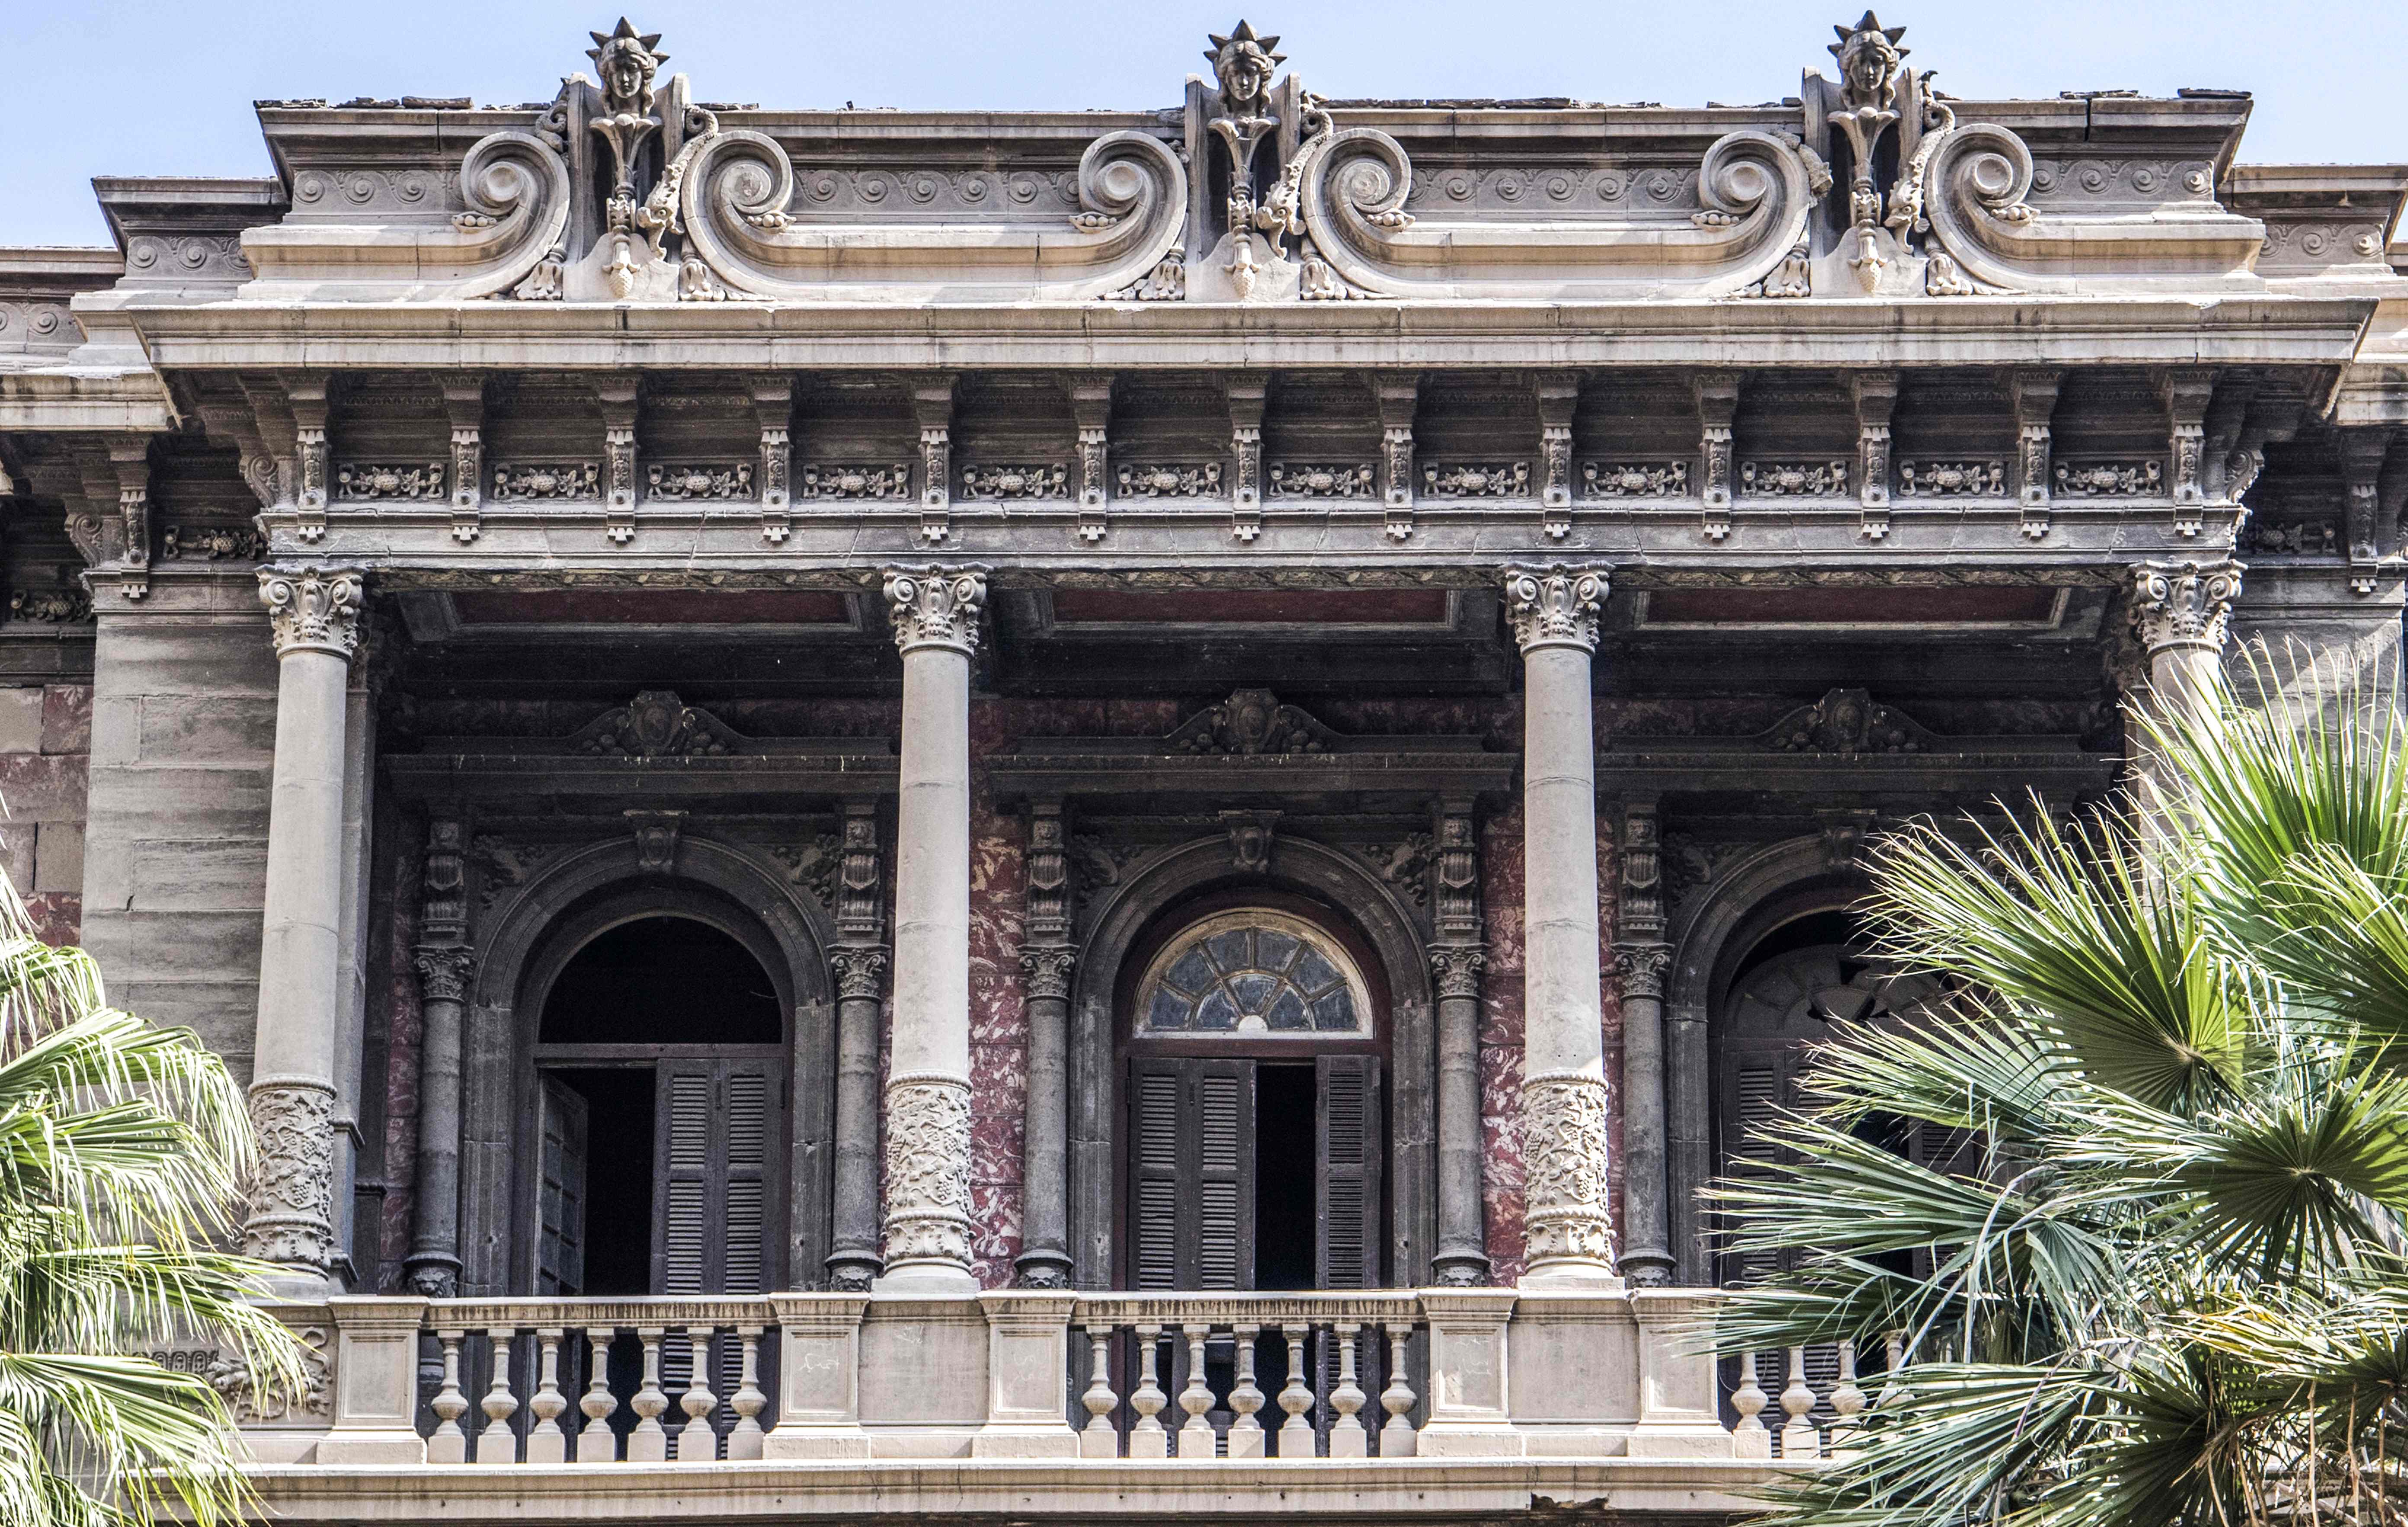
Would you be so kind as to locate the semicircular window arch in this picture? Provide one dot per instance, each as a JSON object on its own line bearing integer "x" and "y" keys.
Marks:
{"x": 1254, "y": 974}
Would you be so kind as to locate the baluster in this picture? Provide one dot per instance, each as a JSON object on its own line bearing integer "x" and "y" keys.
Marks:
{"x": 450, "y": 1443}
{"x": 1196, "y": 1439}
{"x": 547, "y": 1440}
{"x": 1396, "y": 1438}
{"x": 648, "y": 1442}
{"x": 1098, "y": 1438}
{"x": 1147, "y": 1439}
{"x": 1893, "y": 1390}
{"x": 595, "y": 1443}
{"x": 1295, "y": 1397}
{"x": 744, "y": 1437}
{"x": 696, "y": 1442}
{"x": 1847, "y": 1405}
{"x": 495, "y": 1444}
{"x": 1347, "y": 1439}
{"x": 1799, "y": 1438}
{"x": 1245, "y": 1433}
{"x": 1749, "y": 1438}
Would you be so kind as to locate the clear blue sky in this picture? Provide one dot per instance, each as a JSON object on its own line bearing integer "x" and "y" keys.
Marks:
{"x": 165, "y": 87}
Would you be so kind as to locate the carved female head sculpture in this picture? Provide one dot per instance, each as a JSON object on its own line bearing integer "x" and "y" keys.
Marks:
{"x": 1868, "y": 56}
{"x": 1243, "y": 62}
{"x": 627, "y": 62}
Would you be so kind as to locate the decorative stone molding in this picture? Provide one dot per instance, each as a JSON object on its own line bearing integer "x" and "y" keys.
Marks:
{"x": 1091, "y": 410}
{"x": 464, "y": 404}
{"x": 1246, "y": 393}
{"x": 572, "y": 481}
{"x": 2183, "y": 604}
{"x": 860, "y": 911}
{"x": 1794, "y": 480}
{"x": 1636, "y": 479}
{"x": 928, "y": 1170}
{"x": 292, "y": 1191}
{"x": 718, "y": 482}
{"x": 362, "y": 483}
{"x": 1456, "y": 853}
{"x": 1355, "y": 480}
{"x": 860, "y": 970}
{"x": 1558, "y": 399}
{"x": 656, "y": 840}
{"x": 932, "y": 404}
{"x": 1172, "y": 480}
{"x": 1564, "y": 1162}
{"x": 229, "y": 1375}
{"x": 1048, "y": 862}
{"x": 1876, "y": 400}
{"x": 2110, "y": 479}
{"x": 1952, "y": 479}
{"x": 1555, "y": 607}
{"x": 211, "y": 544}
{"x": 823, "y": 480}
{"x": 1844, "y": 723}
{"x": 313, "y": 609}
{"x": 1032, "y": 482}
{"x": 1482, "y": 479}
{"x": 1716, "y": 393}
{"x": 936, "y": 607}
{"x": 1640, "y": 907}
{"x": 1251, "y": 835}
{"x": 1045, "y": 971}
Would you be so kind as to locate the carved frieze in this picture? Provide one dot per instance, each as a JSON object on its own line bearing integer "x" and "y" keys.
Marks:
{"x": 211, "y": 544}
{"x": 1172, "y": 480}
{"x": 2110, "y": 479}
{"x": 1635, "y": 479}
{"x": 2309, "y": 538}
{"x": 1037, "y": 481}
{"x": 1290, "y": 480}
{"x": 311, "y": 1400}
{"x": 361, "y": 481}
{"x": 573, "y": 481}
{"x": 688, "y": 482}
{"x": 1485, "y": 480}
{"x": 823, "y": 480}
{"x": 1794, "y": 479}
{"x": 1952, "y": 479}
{"x": 49, "y": 606}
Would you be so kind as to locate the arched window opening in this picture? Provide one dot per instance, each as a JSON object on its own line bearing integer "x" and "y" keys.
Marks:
{"x": 659, "y": 1093}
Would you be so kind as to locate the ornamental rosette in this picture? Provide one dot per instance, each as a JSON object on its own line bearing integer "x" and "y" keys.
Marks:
{"x": 936, "y": 607}
{"x": 2183, "y": 604}
{"x": 1555, "y": 607}
{"x": 313, "y": 609}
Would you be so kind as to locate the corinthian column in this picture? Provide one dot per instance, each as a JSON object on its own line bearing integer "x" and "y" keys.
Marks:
{"x": 1555, "y": 613}
{"x": 936, "y": 617}
{"x": 2180, "y": 611}
{"x": 315, "y": 612}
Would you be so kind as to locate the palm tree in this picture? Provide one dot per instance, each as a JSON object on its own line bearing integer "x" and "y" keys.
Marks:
{"x": 2163, "y": 1279}
{"x": 123, "y": 1149}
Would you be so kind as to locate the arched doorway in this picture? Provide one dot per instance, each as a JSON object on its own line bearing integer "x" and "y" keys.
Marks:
{"x": 659, "y": 1062}
{"x": 1254, "y": 1032}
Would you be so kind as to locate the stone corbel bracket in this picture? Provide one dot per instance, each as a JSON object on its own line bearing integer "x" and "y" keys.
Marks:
{"x": 1133, "y": 201}
{"x": 516, "y": 187}
{"x": 1756, "y": 186}
{"x": 1975, "y": 179}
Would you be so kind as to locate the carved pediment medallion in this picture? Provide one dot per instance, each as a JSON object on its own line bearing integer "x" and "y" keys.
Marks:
{"x": 1250, "y": 722}
{"x": 658, "y": 725}
{"x": 1845, "y": 723}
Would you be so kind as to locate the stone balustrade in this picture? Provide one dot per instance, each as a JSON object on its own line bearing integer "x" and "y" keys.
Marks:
{"x": 1799, "y": 1404}
{"x": 1428, "y": 1373}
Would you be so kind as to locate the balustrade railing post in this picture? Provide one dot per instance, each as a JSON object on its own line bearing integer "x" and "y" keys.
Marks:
{"x": 450, "y": 1443}
{"x": 744, "y": 1437}
{"x": 1147, "y": 1439}
{"x": 1847, "y": 1405}
{"x": 1749, "y": 1438}
{"x": 595, "y": 1443}
{"x": 1098, "y": 1438}
{"x": 1245, "y": 1398}
{"x": 1196, "y": 1439}
{"x": 1397, "y": 1439}
{"x": 496, "y": 1443}
{"x": 697, "y": 1442}
{"x": 547, "y": 1439}
{"x": 1347, "y": 1439}
{"x": 649, "y": 1443}
{"x": 1798, "y": 1437}
{"x": 1295, "y": 1397}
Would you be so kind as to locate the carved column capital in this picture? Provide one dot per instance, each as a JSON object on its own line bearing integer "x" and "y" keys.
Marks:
{"x": 313, "y": 609}
{"x": 1555, "y": 607}
{"x": 860, "y": 970}
{"x": 936, "y": 607}
{"x": 1045, "y": 971}
{"x": 443, "y": 973}
{"x": 1640, "y": 966}
{"x": 2183, "y": 604}
{"x": 1455, "y": 969}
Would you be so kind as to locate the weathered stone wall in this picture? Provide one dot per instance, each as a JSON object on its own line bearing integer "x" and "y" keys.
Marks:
{"x": 44, "y": 738}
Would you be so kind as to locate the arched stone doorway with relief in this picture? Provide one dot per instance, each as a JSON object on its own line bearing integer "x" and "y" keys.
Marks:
{"x": 1256, "y": 1039}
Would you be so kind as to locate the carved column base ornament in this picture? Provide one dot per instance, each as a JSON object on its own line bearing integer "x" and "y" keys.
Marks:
{"x": 290, "y": 1215}
{"x": 1564, "y": 1158}
{"x": 927, "y": 1172}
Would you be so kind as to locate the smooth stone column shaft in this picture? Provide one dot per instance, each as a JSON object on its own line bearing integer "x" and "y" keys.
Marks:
{"x": 1563, "y": 1103}
{"x": 315, "y": 613}
{"x": 936, "y": 617}
{"x": 852, "y": 1257}
{"x": 1462, "y": 1257}
{"x": 1045, "y": 1260}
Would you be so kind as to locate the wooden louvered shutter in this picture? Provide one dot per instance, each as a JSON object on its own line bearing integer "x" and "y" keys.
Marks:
{"x": 1757, "y": 1086}
{"x": 1347, "y": 1185}
{"x": 560, "y": 1191}
{"x": 714, "y": 1162}
{"x": 1192, "y": 1173}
